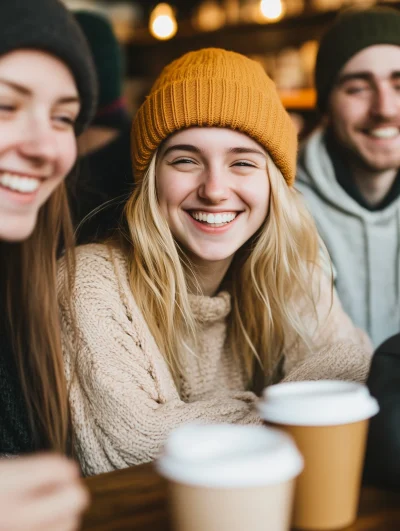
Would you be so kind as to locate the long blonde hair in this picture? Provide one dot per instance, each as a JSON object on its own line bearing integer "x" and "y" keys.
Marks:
{"x": 267, "y": 278}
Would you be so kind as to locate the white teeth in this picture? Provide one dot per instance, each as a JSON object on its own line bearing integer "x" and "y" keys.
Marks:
{"x": 385, "y": 132}
{"x": 214, "y": 219}
{"x": 19, "y": 184}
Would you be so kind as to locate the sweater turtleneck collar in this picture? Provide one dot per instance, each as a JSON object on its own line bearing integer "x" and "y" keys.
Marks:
{"x": 210, "y": 309}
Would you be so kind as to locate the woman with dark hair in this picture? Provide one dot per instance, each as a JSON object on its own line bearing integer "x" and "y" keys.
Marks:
{"x": 47, "y": 96}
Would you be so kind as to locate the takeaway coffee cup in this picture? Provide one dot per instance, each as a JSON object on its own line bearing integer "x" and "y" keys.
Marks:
{"x": 230, "y": 478}
{"x": 329, "y": 421}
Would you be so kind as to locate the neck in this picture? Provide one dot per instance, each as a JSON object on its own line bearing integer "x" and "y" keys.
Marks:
{"x": 372, "y": 185}
{"x": 209, "y": 275}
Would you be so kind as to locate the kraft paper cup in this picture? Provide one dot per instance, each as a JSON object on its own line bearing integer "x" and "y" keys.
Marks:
{"x": 230, "y": 478}
{"x": 329, "y": 422}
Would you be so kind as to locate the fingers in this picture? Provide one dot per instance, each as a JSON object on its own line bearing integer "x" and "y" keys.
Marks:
{"x": 61, "y": 509}
{"x": 41, "y": 493}
{"x": 58, "y": 506}
{"x": 24, "y": 474}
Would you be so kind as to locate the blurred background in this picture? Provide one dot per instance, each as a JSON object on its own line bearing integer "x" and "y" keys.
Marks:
{"x": 280, "y": 34}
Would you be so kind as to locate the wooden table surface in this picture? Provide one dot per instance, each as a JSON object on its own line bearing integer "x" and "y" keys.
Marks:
{"x": 134, "y": 499}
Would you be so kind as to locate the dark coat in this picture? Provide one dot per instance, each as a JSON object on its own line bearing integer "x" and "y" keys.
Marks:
{"x": 382, "y": 465}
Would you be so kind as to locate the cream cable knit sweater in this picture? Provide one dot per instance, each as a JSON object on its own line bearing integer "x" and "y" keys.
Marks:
{"x": 122, "y": 396}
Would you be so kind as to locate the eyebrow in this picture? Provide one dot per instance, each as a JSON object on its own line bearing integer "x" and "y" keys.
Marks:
{"x": 364, "y": 75}
{"x": 194, "y": 149}
{"x": 244, "y": 150}
{"x": 27, "y": 92}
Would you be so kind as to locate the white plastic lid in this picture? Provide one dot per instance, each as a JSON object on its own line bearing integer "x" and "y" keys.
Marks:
{"x": 224, "y": 455}
{"x": 320, "y": 403}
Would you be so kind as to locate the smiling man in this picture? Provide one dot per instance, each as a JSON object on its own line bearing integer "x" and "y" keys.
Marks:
{"x": 348, "y": 171}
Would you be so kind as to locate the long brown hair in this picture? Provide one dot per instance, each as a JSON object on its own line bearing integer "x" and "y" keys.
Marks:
{"x": 28, "y": 285}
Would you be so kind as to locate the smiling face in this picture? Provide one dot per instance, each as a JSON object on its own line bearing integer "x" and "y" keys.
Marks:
{"x": 38, "y": 107}
{"x": 213, "y": 190}
{"x": 364, "y": 108}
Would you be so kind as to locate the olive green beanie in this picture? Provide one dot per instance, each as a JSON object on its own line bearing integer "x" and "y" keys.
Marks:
{"x": 107, "y": 55}
{"x": 351, "y": 32}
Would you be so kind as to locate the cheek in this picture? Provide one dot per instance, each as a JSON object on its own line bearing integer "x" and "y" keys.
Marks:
{"x": 171, "y": 191}
{"x": 47, "y": 190}
{"x": 67, "y": 157}
{"x": 257, "y": 197}
{"x": 66, "y": 160}
{"x": 346, "y": 114}
{"x": 10, "y": 135}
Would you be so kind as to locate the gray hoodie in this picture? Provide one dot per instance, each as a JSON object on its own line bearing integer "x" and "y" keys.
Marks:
{"x": 364, "y": 246}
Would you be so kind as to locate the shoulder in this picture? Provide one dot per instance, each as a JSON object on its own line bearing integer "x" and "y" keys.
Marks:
{"x": 99, "y": 269}
{"x": 97, "y": 257}
{"x": 313, "y": 161}
{"x": 97, "y": 260}
{"x": 314, "y": 143}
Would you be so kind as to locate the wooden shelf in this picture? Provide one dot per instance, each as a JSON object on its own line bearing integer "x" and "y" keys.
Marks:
{"x": 301, "y": 99}
{"x": 147, "y": 56}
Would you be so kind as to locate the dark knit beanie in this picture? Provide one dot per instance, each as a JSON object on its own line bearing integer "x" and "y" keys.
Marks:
{"x": 351, "y": 32}
{"x": 47, "y": 25}
{"x": 106, "y": 53}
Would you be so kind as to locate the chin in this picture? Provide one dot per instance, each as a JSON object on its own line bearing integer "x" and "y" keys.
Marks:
{"x": 212, "y": 257}
{"x": 16, "y": 231}
{"x": 378, "y": 166}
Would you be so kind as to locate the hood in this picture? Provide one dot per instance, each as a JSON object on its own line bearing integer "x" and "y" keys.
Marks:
{"x": 315, "y": 172}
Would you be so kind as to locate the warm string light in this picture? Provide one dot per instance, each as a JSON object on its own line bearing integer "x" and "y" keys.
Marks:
{"x": 271, "y": 9}
{"x": 163, "y": 23}
{"x": 209, "y": 16}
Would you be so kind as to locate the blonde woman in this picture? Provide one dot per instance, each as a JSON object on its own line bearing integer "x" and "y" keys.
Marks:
{"x": 215, "y": 281}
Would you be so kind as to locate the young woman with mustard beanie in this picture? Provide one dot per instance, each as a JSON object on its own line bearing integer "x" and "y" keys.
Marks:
{"x": 215, "y": 285}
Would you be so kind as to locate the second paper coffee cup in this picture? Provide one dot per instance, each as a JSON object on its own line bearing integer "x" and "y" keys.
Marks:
{"x": 329, "y": 421}
{"x": 230, "y": 478}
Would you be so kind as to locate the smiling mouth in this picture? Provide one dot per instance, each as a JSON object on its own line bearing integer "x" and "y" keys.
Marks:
{"x": 384, "y": 133}
{"x": 214, "y": 220}
{"x": 19, "y": 183}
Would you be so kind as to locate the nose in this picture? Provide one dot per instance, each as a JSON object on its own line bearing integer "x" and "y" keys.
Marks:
{"x": 39, "y": 144}
{"x": 386, "y": 103}
{"x": 214, "y": 187}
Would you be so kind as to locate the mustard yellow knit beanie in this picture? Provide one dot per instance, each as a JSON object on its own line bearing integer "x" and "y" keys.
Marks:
{"x": 214, "y": 88}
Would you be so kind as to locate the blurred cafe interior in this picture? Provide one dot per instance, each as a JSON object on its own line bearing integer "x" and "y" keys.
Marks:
{"x": 281, "y": 34}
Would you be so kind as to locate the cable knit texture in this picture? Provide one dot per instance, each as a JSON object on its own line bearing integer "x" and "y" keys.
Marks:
{"x": 123, "y": 399}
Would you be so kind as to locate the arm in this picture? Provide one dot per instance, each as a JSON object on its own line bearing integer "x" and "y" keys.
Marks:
{"x": 123, "y": 399}
{"x": 382, "y": 464}
{"x": 338, "y": 349}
